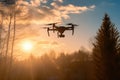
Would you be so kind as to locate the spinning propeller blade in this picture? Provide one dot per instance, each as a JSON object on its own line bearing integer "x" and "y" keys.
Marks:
{"x": 69, "y": 23}
{"x": 72, "y": 24}
{"x": 44, "y": 27}
{"x": 51, "y": 23}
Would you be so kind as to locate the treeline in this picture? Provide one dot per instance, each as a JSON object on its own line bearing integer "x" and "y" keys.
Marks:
{"x": 76, "y": 66}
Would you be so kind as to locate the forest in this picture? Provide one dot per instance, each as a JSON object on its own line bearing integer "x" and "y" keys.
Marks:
{"x": 103, "y": 63}
{"x": 77, "y": 66}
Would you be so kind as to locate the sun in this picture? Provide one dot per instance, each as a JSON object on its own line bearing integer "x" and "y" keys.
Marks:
{"x": 27, "y": 46}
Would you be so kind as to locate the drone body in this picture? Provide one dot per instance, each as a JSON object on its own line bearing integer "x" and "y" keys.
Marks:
{"x": 60, "y": 29}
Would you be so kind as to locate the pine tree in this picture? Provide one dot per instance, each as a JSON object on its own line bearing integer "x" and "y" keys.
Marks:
{"x": 106, "y": 50}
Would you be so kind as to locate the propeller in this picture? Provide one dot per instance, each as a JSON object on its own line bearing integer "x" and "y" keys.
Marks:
{"x": 44, "y": 27}
{"x": 69, "y": 23}
{"x": 72, "y": 24}
{"x": 51, "y": 24}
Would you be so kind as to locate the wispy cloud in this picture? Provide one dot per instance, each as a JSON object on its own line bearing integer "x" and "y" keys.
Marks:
{"x": 38, "y": 13}
{"x": 60, "y": 1}
{"x": 34, "y": 12}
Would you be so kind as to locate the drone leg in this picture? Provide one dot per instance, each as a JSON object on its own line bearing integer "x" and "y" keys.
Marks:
{"x": 72, "y": 30}
{"x": 58, "y": 34}
{"x": 48, "y": 32}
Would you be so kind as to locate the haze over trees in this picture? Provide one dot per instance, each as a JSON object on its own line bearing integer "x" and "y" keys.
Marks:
{"x": 74, "y": 66}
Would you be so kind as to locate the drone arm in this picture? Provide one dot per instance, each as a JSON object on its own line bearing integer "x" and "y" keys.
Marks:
{"x": 68, "y": 28}
{"x": 52, "y": 29}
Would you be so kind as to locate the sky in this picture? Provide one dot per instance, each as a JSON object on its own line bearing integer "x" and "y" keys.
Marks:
{"x": 88, "y": 14}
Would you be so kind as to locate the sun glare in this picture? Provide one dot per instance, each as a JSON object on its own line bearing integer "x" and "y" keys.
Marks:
{"x": 27, "y": 46}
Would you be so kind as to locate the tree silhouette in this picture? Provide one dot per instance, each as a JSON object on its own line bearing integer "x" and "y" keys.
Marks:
{"x": 106, "y": 50}
{"x": 7, "y": 28}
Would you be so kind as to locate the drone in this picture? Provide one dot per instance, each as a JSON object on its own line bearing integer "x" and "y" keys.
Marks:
{"x": 60, "y": 29}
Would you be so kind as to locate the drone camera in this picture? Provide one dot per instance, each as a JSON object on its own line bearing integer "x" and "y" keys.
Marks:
{"x": 61, "y": 35}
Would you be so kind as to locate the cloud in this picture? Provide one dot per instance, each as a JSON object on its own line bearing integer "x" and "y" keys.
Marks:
{"x": 64, "y": 11}
{"x": 92, "y": 7}
{"x": 34, "y": 12}
{"x": 37, "y": 13}
{"x": 44, "y": 1}
{"x": 60, "y": 1}
{"x": 35, "y": 3}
